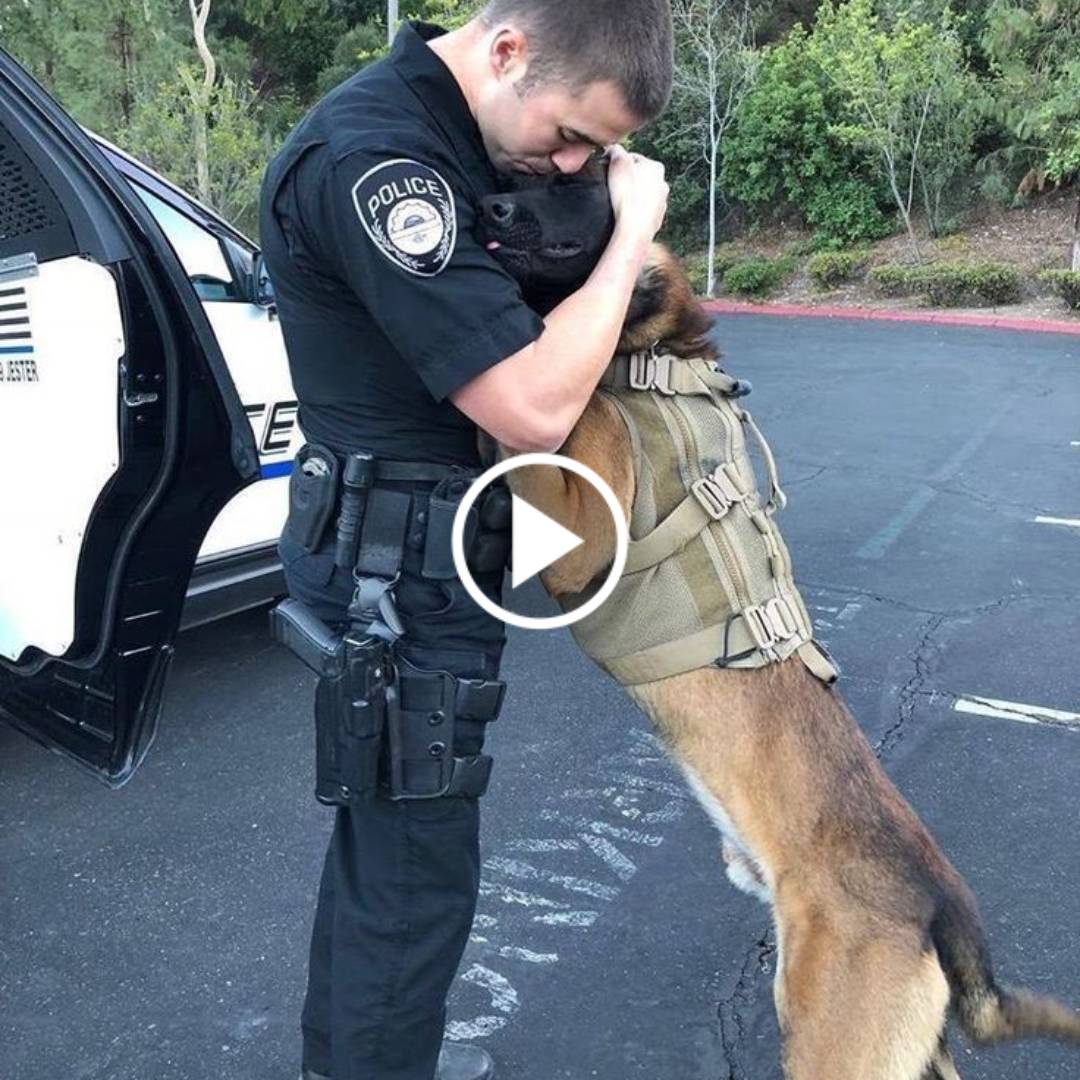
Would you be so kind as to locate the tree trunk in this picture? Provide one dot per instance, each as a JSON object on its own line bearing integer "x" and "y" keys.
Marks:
{"x": 1076, "y": 237}
{"x": 905, "y": 214}
{"x": 931, "y": 218}
{"x": 200, "y": 99}
{"x": 710, "y": 278}
{"x": 123, "y": 43}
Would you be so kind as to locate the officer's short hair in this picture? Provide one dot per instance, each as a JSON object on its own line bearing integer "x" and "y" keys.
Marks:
{"x": 582, "y": 41}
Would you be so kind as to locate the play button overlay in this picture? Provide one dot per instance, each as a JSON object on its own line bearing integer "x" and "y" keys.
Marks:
{"x": 538, "y": 540}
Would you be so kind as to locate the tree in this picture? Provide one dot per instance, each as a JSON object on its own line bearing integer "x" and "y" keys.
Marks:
{"x": 95, "y": 58}
{"x": 1034, "y": 47}
{"x": 781, "y": 151}
{"x": 910, "y": 93}
{"x": 715, "y": 68}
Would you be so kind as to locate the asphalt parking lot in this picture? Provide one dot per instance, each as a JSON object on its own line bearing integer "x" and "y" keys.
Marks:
{"x": 160, "y": 932}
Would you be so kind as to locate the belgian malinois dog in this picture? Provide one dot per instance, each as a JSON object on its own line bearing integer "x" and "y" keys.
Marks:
{"x": 878, "y": 937}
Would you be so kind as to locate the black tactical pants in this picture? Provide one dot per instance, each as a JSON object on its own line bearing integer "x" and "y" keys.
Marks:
{"x": 400, "y": 879}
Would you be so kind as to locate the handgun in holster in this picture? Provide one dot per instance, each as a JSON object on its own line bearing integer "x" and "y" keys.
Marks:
{"x": 350, "y": 700}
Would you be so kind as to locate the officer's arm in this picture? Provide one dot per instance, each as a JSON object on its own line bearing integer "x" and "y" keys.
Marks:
{"x": 404, "y": 237}
{"x": 533, "y": 399}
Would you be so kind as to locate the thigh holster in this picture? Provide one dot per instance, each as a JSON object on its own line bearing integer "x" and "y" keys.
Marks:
{"x": 383, "y": 722}
{"x": 425, "y": 710}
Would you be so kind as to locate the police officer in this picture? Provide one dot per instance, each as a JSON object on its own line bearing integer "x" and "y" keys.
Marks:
{"x": 404, "y": 336}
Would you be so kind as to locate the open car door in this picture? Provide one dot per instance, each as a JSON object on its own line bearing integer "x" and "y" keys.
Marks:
{"x": 121, "y": 437}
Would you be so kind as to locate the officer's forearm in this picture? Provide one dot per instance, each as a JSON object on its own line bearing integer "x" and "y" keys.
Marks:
{"x": 580, "y": 336}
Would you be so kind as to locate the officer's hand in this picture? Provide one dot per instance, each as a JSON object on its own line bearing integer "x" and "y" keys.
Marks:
{"x": 638, "y": 190}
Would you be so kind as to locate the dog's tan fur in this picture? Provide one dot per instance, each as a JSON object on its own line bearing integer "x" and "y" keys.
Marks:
{"x": 877, "y": 934}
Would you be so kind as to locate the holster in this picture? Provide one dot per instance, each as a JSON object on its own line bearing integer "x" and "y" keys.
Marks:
{"x": 382, "y": 721}
{"x": 350, "y": 719}
{"x": 350, "y": 700}
{"x": 424, "y": 708}
{"x": 313, "y": 489}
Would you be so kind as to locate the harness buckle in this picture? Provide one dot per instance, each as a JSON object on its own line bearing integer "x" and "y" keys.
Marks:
{"x": 720, "y": 490}
{"x": 770, "y": 623}
{"x": 647, "y": 371}
{"x": 782, "y": 617}
{"x": 640, "y": 370}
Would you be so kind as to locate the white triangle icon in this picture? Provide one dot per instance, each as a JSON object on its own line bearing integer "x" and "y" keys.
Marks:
{"x": 537, "y": 541}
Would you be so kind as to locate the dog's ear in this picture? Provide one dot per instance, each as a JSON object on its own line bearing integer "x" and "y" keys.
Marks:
{"x": 663, "y": 308}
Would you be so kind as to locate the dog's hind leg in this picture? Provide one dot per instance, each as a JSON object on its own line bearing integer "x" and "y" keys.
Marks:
{"x": 857, "y": 1001}
{"x": 942, "y": 1066}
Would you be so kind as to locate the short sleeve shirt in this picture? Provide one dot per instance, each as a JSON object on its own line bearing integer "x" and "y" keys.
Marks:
{"x": 388, "y": 301}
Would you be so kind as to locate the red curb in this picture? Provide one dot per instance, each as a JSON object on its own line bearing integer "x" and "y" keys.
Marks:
{"x": 1000, "y": 322}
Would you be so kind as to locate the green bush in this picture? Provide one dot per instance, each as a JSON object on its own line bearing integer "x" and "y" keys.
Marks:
{"x": 983, "y": 283}
{"x": 832, "y": 268}
{"x": 696, "y": 265}
{"x": 780, "y": 150}
{"x": 952, "y": 284}
{"x": 1066, "y": 283}
{"x": 894, "y": 280}
{"x": 846, "y": 212}
{"x": 757, "y": 276}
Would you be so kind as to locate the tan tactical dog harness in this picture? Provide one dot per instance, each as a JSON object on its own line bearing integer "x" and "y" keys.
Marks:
{"x": 708, "y": 578}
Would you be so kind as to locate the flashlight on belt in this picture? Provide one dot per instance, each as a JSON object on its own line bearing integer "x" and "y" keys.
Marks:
{"x": 358, "y": 477}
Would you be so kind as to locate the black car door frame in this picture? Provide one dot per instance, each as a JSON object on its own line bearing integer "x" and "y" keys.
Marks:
{"x": 186, "y": 448}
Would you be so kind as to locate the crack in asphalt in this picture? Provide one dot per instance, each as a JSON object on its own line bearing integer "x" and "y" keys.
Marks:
{"x": 730, "y": 1010}
{"x": 910, "y": 690}
{"x": 952, "y": 485}
{"x": 819, "y": 469}
{"x": 957, "y": 613}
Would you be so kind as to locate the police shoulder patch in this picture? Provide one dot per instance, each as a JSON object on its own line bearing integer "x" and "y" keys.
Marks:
{"x": 408, "y": 211}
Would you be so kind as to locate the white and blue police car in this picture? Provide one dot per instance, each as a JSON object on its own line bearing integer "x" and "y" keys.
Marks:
{"x": 147, "y": 428}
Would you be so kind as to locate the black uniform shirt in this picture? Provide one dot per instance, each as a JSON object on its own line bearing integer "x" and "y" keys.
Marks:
{"x": 387, "y": 300}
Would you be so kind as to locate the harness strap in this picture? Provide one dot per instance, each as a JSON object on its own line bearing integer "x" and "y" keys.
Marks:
{"x": 378, "y": 564}
{"x": 710, "y": 499}
{"x": 773, "y": 627}
{"x": 814, "y": 656}
{"x": 777, "y": 499}
{"x": 669, "y": 374}
{"x": 382, "y": 537}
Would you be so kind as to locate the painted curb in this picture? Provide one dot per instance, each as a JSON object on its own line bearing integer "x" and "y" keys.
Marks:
{"x": 1000, "y": 322}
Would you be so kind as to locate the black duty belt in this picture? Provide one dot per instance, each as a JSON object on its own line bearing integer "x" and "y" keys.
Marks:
{"x": 377, "y": 513}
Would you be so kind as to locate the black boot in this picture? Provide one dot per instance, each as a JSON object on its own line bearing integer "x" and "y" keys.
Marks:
{"x": 457, "y": 1061}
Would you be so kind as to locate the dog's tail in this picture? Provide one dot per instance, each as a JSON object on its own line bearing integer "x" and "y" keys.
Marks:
{"x": 988, "y": 1011}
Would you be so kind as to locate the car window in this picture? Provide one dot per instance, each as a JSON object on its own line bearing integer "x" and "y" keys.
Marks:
{"x": 198, "y": 250}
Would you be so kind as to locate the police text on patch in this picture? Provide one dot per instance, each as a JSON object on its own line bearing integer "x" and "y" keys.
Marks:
{"x": 407, "y": 210}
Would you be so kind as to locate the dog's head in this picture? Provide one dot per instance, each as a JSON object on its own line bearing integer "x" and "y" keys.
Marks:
{"x": 550, "y": 232}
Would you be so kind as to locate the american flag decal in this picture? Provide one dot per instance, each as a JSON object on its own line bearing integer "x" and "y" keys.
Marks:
{"x": 15, "y": 336}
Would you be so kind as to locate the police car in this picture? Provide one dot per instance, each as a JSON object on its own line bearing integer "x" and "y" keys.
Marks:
{"x": 147, "y": 427}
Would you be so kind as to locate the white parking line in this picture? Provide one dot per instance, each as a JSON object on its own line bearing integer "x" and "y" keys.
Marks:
{"x": 1015, "y": 710}
{"x": 1074, "y": 522}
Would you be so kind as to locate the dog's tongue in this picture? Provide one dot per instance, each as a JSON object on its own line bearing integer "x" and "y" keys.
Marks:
{"x": 493, "y": 245}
